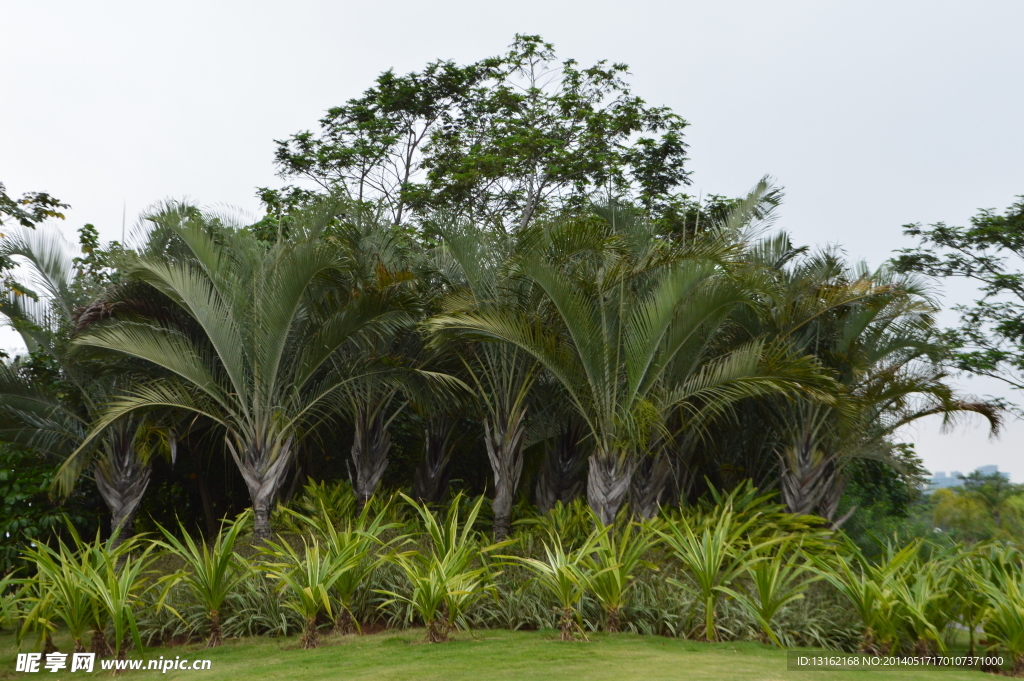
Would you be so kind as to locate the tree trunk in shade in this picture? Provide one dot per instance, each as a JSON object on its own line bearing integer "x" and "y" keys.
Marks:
{"x": 608, "y": 482}
{"x": 504, "y": 439}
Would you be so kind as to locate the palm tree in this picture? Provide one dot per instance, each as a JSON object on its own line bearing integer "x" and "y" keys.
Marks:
{"x": 475, "y": 262}
{"x": 875, "y": 332}
{"x": 258, "y": 351}
{"x": 382, "y": 257}
{"x": 50, "y": 411}
{"x": 621, "y": 307}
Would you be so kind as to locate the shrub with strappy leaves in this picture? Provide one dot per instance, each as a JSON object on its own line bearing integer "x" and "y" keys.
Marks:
{"x": 307, "y": 578}
{"x": 210, "y": 573}
{"x": 358, "y": 544}
{"x": 614, "y": 560}
{"x": 768, "y": 586}
{"x": 118, "y": 580}
{"x": 450, "y": 574}
{"x": 567, "y": 576}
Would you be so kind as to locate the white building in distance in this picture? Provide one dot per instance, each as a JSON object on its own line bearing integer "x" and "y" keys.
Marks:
{"x": 940, "y": 480}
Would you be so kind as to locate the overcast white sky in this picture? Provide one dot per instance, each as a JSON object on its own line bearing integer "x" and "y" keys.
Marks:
{"x": 871, "y": 114}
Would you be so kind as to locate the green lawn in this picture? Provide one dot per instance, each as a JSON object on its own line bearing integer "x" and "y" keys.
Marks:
{"x": 521, "y": 656}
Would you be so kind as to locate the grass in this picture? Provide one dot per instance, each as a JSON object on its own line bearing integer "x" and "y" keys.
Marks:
{"x": 490, "y": 654}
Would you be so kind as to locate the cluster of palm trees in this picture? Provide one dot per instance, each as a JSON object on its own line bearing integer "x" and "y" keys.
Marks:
{"x": 637, "y": 366}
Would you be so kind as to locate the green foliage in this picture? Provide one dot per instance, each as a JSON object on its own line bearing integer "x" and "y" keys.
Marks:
{"x": 51, "y": 399}
{"x": 1001, "y": 580}
{"x": 864, "y": 584}
{"x": 11, "y": 590}
{"x": 770, "y": 585}
{"x": 212, "y": 570}
{"x": 502, "y": 140}
{"x": 61, "y": 592}
{"x": 567, "y": 576}
{"x": 989, "y": 253}
{"x": 782, "y": 581}
{"x": 614, "y": 560}
{"x": 31, "y": 209}
{"x": 357, "y": 543}
{"x": 629, "y": 333}
{"x": 495, "y": 268}
{"x": 907, "y": 600}
{"x": 308, "y": 578}
{"x": 336, "y": 501}
{"x": 117, "y": 580}
{"x": 263, "y": 362}
{"x": 881, "y": 500}
{"x": 93, "y": 586}
{"x": 984, "y": 508}
{"x": 448, "y": 575}
{"x": 27, "y": 513}
{"x": 714, "y": 554}
{"x": 572, "y": 523}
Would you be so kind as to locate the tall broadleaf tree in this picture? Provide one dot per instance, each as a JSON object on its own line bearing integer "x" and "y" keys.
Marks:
{"x": 29, "y": 209}
{"x": 500, "y": 141}
{"x": 990, "y": 253}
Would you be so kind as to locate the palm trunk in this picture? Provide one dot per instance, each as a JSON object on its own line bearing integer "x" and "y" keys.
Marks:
{"x": 122, "y": 482}
{"x": 561, "y": 473}
{"x": 503, "y": 435}
{"x": 502, "y": 511}
{"x": 811, "y": 483}
{"x": 371, "y": 444}
{"x": 262, "y": 530}
{"x": 216, "y": 637}
{"x": 614, "y": 620}
{"x": 310, "y": 635}
{"x": 608, "y": 484}
{"x": 122, "y": 527}
{"x": 437, "y": 628}
{"x": 431, "y": 478}
{"x": 867, "y": 643}
{"x": 344, "y": 623}
{"x": 710, "y": 631}
{"x": 569, "y": 627}
{"x": 100, "y": 646}
{"x": 649, "y": 481}
{"x": 263, "y": 467}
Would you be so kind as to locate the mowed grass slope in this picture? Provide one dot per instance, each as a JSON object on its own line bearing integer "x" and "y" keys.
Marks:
{"x": 522, "y": 656}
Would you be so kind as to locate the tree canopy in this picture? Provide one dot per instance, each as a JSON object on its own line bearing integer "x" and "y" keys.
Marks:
{"x": 990, "y": 252}
{"x": 500, "y": 141}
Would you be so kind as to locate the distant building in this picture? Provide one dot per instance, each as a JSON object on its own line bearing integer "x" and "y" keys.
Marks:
{"x": 941, "y": 481}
